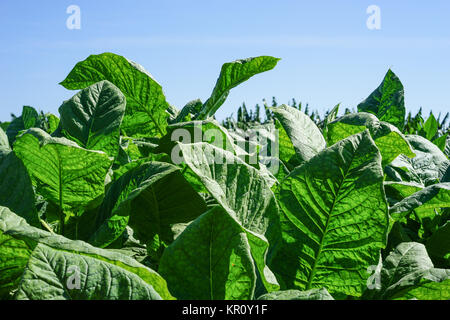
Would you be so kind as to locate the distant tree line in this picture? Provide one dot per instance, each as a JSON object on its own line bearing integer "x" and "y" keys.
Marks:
{"x": 247, "y": 117}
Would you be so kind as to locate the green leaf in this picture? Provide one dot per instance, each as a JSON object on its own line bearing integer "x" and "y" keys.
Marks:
{"x": 430, "y": 162}
{"x": 191, "y": 108}
{"x": 287, "y": 152}
{"x": 210, "y": 260}
{"x": 27, "y": 120}
{"x": 332, "y": 115}
{"x": 404, "y": 189}
{"x": 146, "y": 104}
{"x": 438, "y": 245}
{"x": 53, "y": 123}
{"x": 244, "y": 193}
{"x": 389, "y": 140}
{"x": 16, "y": 190}
{"x": 335, "y": 218}
{"x": 45, "y": 266}
{"x": 387, "y": 102}
{"x": 4, "y": 125}
{"x": 303, "y": 132}
{"x": 431, "y": 197}
{"x": 29, "y": 117}
{"x": 15, "y": 254}
{"x": 313, "y": 294}
{"x": 92, "y": 118}
{"x": 431, "y": 127}
{"x": 151, "y": 198}
{"x": 68, "y": 176}
{"x": 397, "y": 191}
{"x": 441, "y": 142}
{"x": 231, "y": 75}
{"x": 408, "y": 273}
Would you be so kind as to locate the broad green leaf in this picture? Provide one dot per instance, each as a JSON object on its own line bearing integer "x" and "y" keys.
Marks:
{"x": 53, "y": 267}
{"x": 231, "y": 75}
{"x": 93, "y": 116}
{"x": 150, "y": 198}
{"x": 430, "y": 127}
{"x": 146, "y": 104}
{"x": 313, "y": 294}
{"x": 408, "y": 273}
{"x": 303, "y": 132}
{"x": 27, "y": 120}
{"x": 52, "y": 274}
{"x": 16, "y": 190}
{"x": 389, "y": 140}
{"x": 68, "y": 176}
{"x": 244, "y": 193}
{"x": 438, "y": 245}
{"x": 432, "y": 197}
{"x": 334, "y": 219}
{"x": 387, "y": 102}
{"x": 210, "y": 260}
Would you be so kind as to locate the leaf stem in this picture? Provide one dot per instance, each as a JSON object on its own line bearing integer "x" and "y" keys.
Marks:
{"x": 46, "y": 226}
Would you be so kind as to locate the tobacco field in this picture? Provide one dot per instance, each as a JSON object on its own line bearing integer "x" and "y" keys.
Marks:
{"x": 124, "y": 196}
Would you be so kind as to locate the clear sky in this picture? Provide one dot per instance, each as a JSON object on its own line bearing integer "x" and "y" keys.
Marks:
{"x": 328, "y": 53}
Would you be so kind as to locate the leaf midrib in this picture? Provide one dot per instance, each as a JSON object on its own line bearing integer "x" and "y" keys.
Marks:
{"x": 314, "y": 268}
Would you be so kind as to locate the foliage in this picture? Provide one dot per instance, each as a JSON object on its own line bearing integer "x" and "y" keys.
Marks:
{"x": 104, "y": 203}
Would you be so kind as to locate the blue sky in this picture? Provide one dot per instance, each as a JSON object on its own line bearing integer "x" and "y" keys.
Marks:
{"x": 328, "y": 54}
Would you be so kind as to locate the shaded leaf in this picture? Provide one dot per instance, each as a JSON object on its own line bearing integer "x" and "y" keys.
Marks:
{"x": 210, "y": 260}
{"x": 151, "y": 198}
{"x": 408, "y": 273}
{"x": 16, "y": 190}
